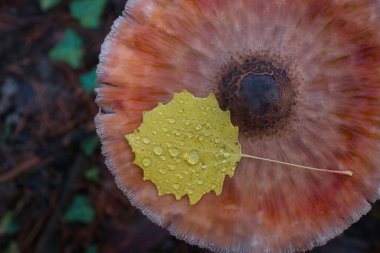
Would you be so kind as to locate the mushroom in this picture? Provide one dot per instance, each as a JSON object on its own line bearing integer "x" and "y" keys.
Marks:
{"x": 302, "y": 82}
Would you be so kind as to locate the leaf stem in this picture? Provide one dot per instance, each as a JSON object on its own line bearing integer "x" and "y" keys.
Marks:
{"x": 345, "y": 172}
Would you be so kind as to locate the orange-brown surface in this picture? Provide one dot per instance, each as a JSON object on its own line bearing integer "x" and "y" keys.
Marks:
{"x": 330, "y": 49}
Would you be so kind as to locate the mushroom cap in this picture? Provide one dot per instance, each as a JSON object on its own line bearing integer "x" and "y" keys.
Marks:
{"x": 331, "y": 51}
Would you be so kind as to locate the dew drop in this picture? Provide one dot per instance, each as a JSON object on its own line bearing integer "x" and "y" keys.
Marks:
{"x": 224, "y": 161}
{"x": 165, "y": 129}
{"x": 226, "y": 155}
{"x": 176, "y": 186}
{"x": 137, "y": 137}
{"x": 204, "y": 166}
{"x": 162, "y": 171}
{"x": 200, "y": 182}
{"x": 190, "y": 191}
{"x": 171, "y": 167}
{"x": 201, "y": 138}
{"x": 146, "y": 140}
{"x": 187, "y": 122}
{"x": 174, "y": 152}
{"x": 177, "y": 132}
{"x": 171, "y": 121}
{"x": 158, "y": 150}
{"x": 146, "y": 162}
{"x": 192, "y": 157}
{"x": 216, "y": 140}
{"x": 198, "y": 127}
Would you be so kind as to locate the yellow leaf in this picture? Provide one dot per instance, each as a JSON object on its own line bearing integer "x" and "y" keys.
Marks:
{"x": 187, "y": 146}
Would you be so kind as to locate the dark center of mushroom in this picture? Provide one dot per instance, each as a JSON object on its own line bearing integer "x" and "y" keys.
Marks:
{"x": 259, "y": 92}
{"x": 260, "y": 95}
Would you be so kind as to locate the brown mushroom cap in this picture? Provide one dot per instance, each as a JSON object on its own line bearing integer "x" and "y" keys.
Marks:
{"x": 325, "y": 59}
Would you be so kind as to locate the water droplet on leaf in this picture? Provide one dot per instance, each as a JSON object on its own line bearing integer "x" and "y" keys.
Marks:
{"x": 192, "y": 157}
{"x": 174, "y": 151}
{"x": 158, "y": 150}
{"x": 146, "y": 140}
{"x": 146, "y": 162}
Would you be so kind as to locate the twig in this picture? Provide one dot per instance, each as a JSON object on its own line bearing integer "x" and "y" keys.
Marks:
{"x": 51, "y": 228}
{"x": 38, "y": 226}
{"x": 21, "y": 168}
